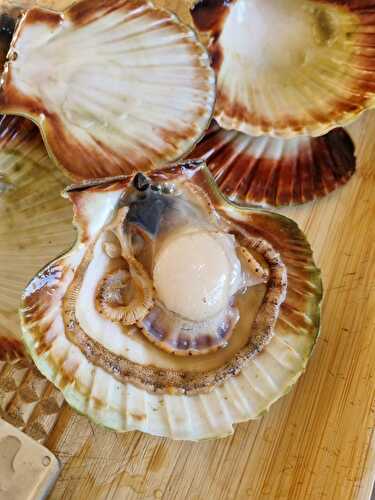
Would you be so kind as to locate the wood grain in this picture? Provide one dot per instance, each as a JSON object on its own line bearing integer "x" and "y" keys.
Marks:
{"x": 317, "y": 442}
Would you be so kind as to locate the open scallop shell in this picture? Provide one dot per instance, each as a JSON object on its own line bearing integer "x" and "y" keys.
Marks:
{"x": 269, "y": 171}
{"x": 114, "y": 85}
{"x": 131, "y": 385}
{"x": 290, "y": 67}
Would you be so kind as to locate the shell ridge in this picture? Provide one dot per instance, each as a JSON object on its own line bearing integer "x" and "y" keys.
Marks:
{"x": 328, "y": 46}
{"x": 80, "y": 123}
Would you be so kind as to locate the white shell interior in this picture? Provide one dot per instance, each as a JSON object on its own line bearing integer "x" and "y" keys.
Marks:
{"x": 285, "y": 60}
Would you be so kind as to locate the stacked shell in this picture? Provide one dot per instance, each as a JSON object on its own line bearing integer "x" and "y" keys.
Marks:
{"x": 290, "y": 74}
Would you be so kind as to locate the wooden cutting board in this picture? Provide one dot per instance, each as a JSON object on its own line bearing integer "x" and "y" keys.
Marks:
{"x": 317, "y": 442}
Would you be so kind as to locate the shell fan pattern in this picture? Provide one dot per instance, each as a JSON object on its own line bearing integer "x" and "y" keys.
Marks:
{"x": 269, "y": 171}
{"x": 116, "y": 86}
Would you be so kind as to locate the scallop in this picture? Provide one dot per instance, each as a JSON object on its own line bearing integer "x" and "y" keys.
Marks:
{"x": 194, "y": 268}
{"x": 175, "y": 313}
{"x": 178, "y": 274}
{"x": 289, "y": 67}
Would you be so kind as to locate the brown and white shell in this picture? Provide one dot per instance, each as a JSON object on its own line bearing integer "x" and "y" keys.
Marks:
{"x": 121, "y": 380}
{"x": 270, "y": 171}
{"x": 115, "y": 86}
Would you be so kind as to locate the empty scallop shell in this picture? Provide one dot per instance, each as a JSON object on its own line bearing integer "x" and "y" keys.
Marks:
{"x": 269, "y": 171}
{"x": 21, "y": 145}
{"x": 290, "y": 67}
{"x": 124, "y": 382}
{"x": 116, "y": 86}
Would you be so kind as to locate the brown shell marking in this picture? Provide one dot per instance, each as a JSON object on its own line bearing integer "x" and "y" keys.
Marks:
{"x": 8, "y": 20}
{"x": 209, "y": 17}
{"x": 89, "y": 154}
{"x": 304, "y": 169}
{"x": 342, "y": 101}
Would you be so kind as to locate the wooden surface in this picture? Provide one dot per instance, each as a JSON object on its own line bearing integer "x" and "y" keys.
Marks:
{"x": 317, "y": 442}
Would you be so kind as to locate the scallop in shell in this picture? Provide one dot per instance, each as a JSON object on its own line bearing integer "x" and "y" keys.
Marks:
{"x": 139, "y": 373}
{"x": 116, "y": 86}
{"x": 269, "y": 171}
{"x": 290, "y": 67}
